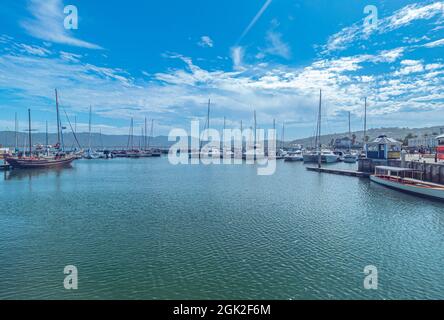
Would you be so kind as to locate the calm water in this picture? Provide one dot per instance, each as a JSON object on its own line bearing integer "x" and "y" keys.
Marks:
{"x": 144, "y": 229}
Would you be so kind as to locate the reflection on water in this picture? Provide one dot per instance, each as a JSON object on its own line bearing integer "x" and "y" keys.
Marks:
{"x": 22, "y": 174}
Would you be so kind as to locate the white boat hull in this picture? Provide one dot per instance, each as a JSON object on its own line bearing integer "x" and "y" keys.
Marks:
{"x": 437, "y": 193}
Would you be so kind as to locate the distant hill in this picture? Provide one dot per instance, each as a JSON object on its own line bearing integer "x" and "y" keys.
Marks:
{"x": 7, "y": 138}
{"x": 121, "y": 141}
{"x": 396, "y": 133}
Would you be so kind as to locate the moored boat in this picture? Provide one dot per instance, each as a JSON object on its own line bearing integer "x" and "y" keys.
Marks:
{"x": 41, "y": 162}
{"x": 293, "y": 156}
{"x": 350, "y": 158}
{"x": 326, "y": 157}
{"x": 398, "y": 178}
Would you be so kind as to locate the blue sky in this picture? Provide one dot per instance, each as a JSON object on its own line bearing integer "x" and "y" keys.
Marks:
{"x": 164, "y": 59}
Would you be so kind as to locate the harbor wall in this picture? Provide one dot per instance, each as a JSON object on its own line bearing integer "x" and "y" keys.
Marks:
{"x": 432, "y": 172}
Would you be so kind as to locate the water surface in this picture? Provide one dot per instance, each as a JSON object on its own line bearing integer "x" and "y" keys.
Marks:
{"x": 144, "y": 229}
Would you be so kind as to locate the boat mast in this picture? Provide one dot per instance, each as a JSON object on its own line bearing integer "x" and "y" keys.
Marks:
{"x": 29, "y": 132}
{"x": 58, "y": 118}
{"x": 274, "y": 128}
{"x": 255, "y": 124}
{"x": 319, "y": 129}
{"x": 151, "y": 133}
{"x": 365, "y": 122}
{"x": 208, "y": 114}
{"x": 283, "y": 133}
{"x": 89, "y": 128}
{"x": 46, "y": 135}
{"x": 145, "y": 137}
{"x": 132, "y": 134}
{"x": 349, "y": 132}
{"x": 16, "y": 133}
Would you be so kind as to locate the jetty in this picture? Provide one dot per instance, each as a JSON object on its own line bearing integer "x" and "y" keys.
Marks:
{"x": 343, "y": 172}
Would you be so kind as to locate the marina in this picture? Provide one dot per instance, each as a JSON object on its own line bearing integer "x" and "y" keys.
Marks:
{"x": 198, "y": 153}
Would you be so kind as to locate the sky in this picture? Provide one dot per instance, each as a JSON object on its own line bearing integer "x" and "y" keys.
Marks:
{"x": 164, "y": 59}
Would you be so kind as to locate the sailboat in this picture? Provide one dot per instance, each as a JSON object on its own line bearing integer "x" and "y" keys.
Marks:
{"x": 320, "y": 155}
{"x": 152, "y": 151}
{"x": 59, "y": 159}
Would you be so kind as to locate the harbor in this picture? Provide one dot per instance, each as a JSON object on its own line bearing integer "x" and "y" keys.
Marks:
{"x": 193, "y": 154}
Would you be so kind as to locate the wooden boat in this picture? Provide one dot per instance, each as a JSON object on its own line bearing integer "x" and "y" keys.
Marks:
{"x": 44, "y": 162}
{"x": 402, "y": 179}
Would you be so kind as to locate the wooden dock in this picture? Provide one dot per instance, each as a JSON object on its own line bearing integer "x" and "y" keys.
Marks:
{"x": 342, "y": 172}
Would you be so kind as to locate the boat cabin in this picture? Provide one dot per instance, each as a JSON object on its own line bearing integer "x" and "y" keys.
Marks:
{"x": 384, "y": 148}
{"x": 440, "y": 147}
{"x": 396, "y": 173}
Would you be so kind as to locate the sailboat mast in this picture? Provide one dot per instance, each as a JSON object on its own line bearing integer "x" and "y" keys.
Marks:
{"x": 319, "y": 129}
{"x": 208, "y": 114}
{"x": 151, "y": 133}
{"x": 283, "y": 135}
{"x": 89, "y": 127}
{"x": 145, "y": 137}
{"x": 16, "y": 132}
{"x": 46, "y": 135}
{"x": 132, "y": 134}
{"x": 58, "y": 118}
{"x": 29, "y": 132}
{"x": 365, "y": 121}
{"x": 255, "y": 129}
{"x": 349, "y": 132}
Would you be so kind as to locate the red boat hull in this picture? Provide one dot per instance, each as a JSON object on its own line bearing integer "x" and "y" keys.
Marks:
{"x": 39, "y": 163}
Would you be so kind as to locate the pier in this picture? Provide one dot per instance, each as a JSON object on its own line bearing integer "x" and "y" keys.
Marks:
{"x": 342, "y": 172}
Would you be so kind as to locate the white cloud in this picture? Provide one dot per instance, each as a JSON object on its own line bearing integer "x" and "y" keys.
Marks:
{"x": 34, "y": 50}
{"x": 401, "y": 18}
{"x": 67, "y": 56}
{"x": 47, "y": 24}
{"x": 206, "y": 41}
{"x": 276, "y": 46}
{"x": 434, "y": 44}
{"x": 410, "y": 66}
{"x": 237, "y": 55}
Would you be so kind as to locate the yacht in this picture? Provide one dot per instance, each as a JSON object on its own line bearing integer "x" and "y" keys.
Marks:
{"x": 327, "y": 156}
{"x": 294, "y": 156}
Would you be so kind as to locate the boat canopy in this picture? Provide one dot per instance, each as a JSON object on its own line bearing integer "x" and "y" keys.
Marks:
{"x": 396, "y": 169}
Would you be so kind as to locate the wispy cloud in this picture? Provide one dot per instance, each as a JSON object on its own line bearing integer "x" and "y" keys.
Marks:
{"x": 46, "y": 24}
{"x": 401, "y": 18}
{"x": 34, "y": 50}
{"x": 206, "y": 42}
{"x": 237, "y": 55}
{"x": 255, "y": 19}
{"x": 276, "y": 46}
{"x": 434, "y": 44}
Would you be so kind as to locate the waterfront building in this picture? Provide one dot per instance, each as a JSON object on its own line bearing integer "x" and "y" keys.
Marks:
{"x": 423, "y": 142}
{"x": 383, "y": 148}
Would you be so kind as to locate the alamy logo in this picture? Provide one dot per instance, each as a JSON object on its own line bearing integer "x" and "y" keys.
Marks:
{"x": 371, "y": 279}
{"x": 71, "y": 280}
{"x": 72, "y": 17}
{"x": 235, "y": 146}
{"x": 371, "y": 21}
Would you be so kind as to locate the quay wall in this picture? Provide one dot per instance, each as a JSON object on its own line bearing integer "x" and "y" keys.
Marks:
{"x": 432, "y": 172}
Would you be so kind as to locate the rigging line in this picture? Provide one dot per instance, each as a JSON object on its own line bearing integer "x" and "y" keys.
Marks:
{"x": 72, "y": 130}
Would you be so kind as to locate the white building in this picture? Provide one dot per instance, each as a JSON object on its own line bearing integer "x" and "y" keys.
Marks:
{"x": 426, "y": 142}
